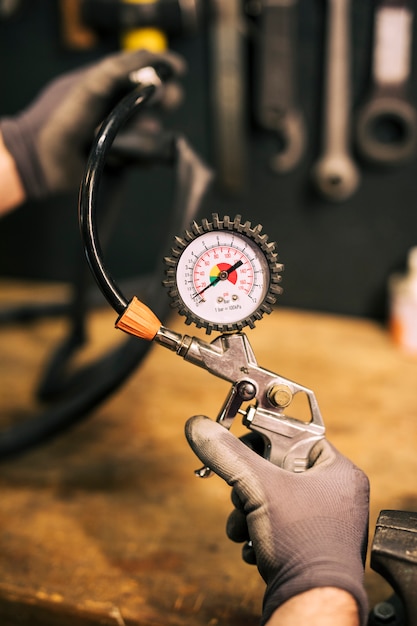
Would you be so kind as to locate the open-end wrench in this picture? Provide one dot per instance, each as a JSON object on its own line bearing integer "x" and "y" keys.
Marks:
{"x": 228, "y": 88}
{"x": 277, "y": 108}
{"x": 386, "y": 131}
{"x": 335, "y": 172}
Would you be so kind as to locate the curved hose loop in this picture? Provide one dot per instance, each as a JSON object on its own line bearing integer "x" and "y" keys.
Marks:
{"x": 132, "y": 103}
{"x": 194, "y": 177}
{"x": 90, "y": 386}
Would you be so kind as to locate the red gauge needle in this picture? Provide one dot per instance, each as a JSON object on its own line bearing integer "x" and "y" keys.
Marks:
{"x": 223, "y": 275}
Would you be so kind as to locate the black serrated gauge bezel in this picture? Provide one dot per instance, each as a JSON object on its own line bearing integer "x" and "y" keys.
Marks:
{"x": 253, "y": 233}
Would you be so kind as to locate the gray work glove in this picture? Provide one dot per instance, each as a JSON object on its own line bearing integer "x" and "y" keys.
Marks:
{"x": 308, "y": 530}
{"x": 50, "y": 140}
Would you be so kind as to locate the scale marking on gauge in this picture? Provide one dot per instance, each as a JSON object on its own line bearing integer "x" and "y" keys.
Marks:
{"x": 223, "y": 274}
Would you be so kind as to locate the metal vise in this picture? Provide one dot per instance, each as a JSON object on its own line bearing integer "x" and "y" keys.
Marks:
{"x": 394, "y": 556}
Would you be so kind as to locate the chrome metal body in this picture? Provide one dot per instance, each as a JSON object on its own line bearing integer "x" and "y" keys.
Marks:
{"x": 260, "y": 396}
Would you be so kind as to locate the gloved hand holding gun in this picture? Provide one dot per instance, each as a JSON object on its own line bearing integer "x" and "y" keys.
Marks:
{"x": 306, "y": 512}
{"x": 303, "y": 506}
{"x": 307, "y": 531}
{"x": 50, "y": 140}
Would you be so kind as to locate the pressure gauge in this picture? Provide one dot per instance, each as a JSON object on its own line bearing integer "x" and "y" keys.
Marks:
{"x": 223, "y": 274}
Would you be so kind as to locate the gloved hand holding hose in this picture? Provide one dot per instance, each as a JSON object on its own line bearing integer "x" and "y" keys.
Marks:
{"x": 50, "y": 140}
{"x": 308, "y": 530}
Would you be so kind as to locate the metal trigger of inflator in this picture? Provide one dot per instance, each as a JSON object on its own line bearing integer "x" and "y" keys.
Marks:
{"x": 288, "y": 440}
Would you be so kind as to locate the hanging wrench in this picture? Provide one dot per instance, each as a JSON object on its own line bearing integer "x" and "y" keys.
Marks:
{"x": 335, "y": 172}
{"x": 277, "y": 107}
{"x": 387, "y": 123}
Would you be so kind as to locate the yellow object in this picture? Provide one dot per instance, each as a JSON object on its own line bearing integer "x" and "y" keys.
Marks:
{"x": 148, "y": 38}
{"x": 144, "y": 38}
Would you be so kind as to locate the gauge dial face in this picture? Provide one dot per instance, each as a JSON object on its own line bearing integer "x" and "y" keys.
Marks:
{"x": 223, "y": 274}
{"x": 222, "y": 277}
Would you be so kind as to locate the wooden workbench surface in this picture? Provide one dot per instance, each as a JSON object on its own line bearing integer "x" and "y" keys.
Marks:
{"x": 108, "y": 525}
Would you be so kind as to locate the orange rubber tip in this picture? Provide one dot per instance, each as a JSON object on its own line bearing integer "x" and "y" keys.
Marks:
{"x": 139, "y": 320}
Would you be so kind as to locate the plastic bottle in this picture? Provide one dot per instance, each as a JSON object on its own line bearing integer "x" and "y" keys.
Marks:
{"x": 403, "y": 306}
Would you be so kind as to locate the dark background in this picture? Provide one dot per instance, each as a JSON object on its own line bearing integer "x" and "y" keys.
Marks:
{"x": 337, "y": 257}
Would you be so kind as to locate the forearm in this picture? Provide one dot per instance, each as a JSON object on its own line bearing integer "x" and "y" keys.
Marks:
{"x": 12, "y": 191}
{"x": 323, "y": 606}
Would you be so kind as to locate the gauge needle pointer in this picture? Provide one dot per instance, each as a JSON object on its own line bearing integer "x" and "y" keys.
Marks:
{"x": 223, "y": 275}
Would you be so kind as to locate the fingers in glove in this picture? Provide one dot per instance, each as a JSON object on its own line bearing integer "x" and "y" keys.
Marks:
{"x": 113, "y": 73}
{"x": 248, "y": 553}
{"x": 237, "y": 527}
{"x": 237, "y": 502}
{"x": 224, "y": 453}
